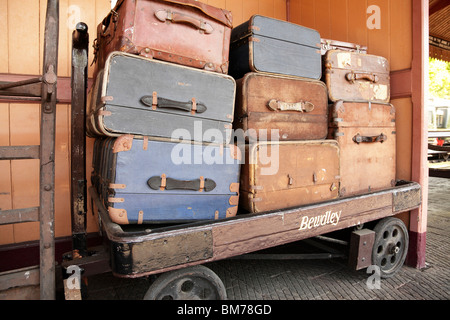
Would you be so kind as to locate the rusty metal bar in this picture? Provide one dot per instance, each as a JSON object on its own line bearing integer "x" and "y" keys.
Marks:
{"x": 19, "y": 215}
{"x": 47, "y": 155}
{"x": 80, "y": 41}
{"x": 19, "y": 152}
{"x": 10, "y": 85}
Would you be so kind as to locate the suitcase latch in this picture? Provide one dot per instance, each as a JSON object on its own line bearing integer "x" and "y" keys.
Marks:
{"x": 290, "y": 180}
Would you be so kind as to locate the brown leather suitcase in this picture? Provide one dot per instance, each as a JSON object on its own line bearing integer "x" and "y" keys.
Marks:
{"x": 186, "y": 32}
{"x": 280, "y": 107}
{"x": 366, "y": 136}
{"x": 353, "y": 76}
{"x": 288, "y": 174}
{"x": 328, "y": 44}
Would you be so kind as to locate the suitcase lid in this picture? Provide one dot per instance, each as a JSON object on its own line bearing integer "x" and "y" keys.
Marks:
{"x": 277, "y": 29}
{"x": 356, "y": 61}
{"x": 221, "y": 15}
{"x": 362, "y": 114}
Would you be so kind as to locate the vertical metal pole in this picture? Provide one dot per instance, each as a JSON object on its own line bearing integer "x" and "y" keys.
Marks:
{"x": 80, "y": 41}
{"x": 47, "y": 156}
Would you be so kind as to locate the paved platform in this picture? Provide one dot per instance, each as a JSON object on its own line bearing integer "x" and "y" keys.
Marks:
{"x": 320, "y": 279}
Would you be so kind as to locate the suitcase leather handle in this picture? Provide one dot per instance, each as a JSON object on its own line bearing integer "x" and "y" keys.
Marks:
{"x": 353, "y": 76}
{"x": 369, "y": 139}
{"x": 190, "y": 106}
{"x": 167, "y": 15}
{"x": 301, "y": 106}
{"x": 164, "y": 183}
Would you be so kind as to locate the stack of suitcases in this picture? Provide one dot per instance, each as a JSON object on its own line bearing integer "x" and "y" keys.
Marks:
{"x": 311, "y": 117}
{"x": 301, "y": 149}
{"x": 160, "y": 88}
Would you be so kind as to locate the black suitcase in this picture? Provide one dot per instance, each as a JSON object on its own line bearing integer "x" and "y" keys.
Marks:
{"x": 264, "y": 44}
{"x": 140, "y": 96}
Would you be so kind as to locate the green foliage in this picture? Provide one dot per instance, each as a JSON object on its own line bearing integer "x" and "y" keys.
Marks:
{"x": 439, "y": 84}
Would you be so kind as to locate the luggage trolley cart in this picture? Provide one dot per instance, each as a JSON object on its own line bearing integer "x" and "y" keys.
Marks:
{"x": 176, "y": 253}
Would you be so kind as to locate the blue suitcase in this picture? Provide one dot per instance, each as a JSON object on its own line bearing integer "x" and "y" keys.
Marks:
{"x": 158, "y": 181}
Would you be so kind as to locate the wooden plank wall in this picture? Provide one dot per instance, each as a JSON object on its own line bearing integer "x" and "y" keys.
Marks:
{"x": 21, "y": 53}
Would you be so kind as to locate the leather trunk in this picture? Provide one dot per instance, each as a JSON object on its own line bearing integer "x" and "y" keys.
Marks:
{"x": 264, "y": 44}
{"x": 185, "y": 32}
{"x": 281, "y": 108}
{"x": 135, "y": 95}
{"x": 353, "y": 76}
{"x": 146, "y": 181}
{"x": 289, "y": 174}
{"x": 367, "y": 139}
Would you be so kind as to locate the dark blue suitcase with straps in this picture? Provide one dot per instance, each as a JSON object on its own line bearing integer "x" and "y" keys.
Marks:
{"x": 161, "y": 181}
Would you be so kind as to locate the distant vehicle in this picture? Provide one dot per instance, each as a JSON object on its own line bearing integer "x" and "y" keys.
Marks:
{"x": 438, "y": 114}
{"x": 438, "y": 128}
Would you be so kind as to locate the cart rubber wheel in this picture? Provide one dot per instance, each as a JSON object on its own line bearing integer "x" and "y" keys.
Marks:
{"x": 191, "y": 283}
{"x": 390, "y": 246}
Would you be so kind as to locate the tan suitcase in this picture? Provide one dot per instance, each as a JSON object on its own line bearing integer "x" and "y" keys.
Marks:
{"x": 353, "y": 76}
{"x": 291, "y": 108}
{"x": 278, "y": 175}
{"x": 366, "y": 136}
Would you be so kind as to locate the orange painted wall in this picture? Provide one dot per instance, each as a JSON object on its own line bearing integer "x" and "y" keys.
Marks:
{"x": 21, "y": 52}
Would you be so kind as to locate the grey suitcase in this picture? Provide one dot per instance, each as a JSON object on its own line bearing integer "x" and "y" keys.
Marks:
{"x": 140, "y": 96}
{"x": 264, "y": 44}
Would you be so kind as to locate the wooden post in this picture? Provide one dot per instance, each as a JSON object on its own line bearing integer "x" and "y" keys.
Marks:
{"x": 418, "y": 217}
{"x": 47, "y": 160}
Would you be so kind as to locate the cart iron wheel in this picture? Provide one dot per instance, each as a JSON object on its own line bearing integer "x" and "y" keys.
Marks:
{"x": 390, "y": 246}
{"x": 191, "y": 283}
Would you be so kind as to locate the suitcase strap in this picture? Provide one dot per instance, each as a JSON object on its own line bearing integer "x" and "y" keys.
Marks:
{"x": 164, "y": 183}
{"x": 369, "y": 139}
{"x": 190, "y": 106}
{"x": 301, "y": 106}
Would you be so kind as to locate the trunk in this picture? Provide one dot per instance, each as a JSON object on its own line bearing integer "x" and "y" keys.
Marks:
{"x": 366, "y": 136}
{"x": 327, "y": 45}
{"x": 154, "y": 98}
{"x": 264, "y": 44}
{"x": 185, "y": 32}
{"x": 289, "y": 174}
{"x": 352, "y": 76}
{"x": 148, "y": 181}
{"x": 281, "y": 108}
